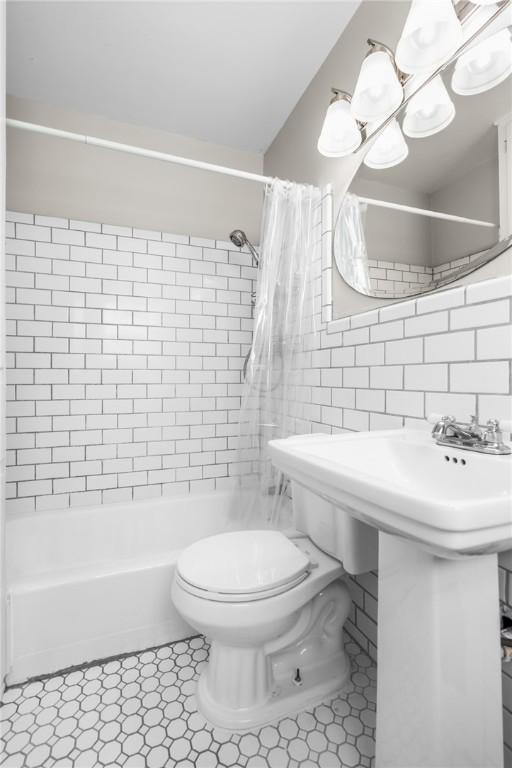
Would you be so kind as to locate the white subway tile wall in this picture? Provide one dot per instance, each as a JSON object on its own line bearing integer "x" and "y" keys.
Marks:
{"x": 392, "y": 278}
{"x": 125, "y": 350}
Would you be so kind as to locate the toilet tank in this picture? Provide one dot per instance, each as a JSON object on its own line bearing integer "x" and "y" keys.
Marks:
{"x": 335, "y": 531}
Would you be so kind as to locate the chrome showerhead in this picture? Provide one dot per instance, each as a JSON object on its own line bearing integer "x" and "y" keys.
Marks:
{"x": 239, "y": 238}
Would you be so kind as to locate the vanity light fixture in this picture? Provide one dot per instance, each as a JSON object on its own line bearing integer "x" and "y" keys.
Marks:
{"x": 433, "y": 38}
{"x": 378, "y": 90}
{"x": 432, "y": 33}
{"x": 389, "y": 149}
{"x": 429, "y": 111}
{"x": 488, "y": 61}
{"x": 483, "y": 67}
{"x": 340, "y": 135}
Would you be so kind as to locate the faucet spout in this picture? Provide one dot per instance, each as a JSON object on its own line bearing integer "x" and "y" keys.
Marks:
{"x": 471, "y": 436}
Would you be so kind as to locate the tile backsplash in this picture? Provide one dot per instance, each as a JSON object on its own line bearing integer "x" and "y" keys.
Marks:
{"x": 125, "y": 350}
{"x": 447, "y": 353}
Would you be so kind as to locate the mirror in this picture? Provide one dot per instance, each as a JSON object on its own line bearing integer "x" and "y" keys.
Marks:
{"x": 389, "y": 253}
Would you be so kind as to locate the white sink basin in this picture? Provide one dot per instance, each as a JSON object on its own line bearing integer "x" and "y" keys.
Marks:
{"x": 439, "y": 692}
{"x": 447, "y": 500}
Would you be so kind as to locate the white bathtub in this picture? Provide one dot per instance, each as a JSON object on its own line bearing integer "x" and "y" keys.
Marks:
{"x": 93, "y": 582}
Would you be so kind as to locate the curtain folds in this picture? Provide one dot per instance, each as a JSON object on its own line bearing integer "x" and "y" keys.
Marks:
{"x": 273, "y": 401}
{"x": 350, "y": 244}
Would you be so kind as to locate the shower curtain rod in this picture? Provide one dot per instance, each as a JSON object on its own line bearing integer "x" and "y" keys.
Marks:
{"x": 425, "y": 212}
{"x": 82, "y": 138}
{"x": 130, "y": 149}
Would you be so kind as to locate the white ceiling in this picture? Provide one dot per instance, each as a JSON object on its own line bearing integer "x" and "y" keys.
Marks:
{"x": 225, "y": 72}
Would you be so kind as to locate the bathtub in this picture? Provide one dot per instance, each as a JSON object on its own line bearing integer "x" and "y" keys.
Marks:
{"x": 94, "y": 582}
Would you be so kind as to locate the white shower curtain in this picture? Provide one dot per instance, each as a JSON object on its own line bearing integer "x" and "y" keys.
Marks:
{"x": 273, "y": 401}
{"x": 350, "y": 244}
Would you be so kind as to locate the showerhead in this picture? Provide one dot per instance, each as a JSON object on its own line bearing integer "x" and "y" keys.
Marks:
{"x": 239, "y": 238}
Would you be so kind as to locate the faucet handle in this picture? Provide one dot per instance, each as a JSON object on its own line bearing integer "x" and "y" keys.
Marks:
{"x": 475, "y": 426}
{"x": 505, "y": 425}
{"x": 441, "y": 423}
{"x": 435, "y": 418}
{"x": 493, "y": 432}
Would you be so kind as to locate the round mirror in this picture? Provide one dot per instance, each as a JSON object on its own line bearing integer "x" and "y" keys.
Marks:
{"x": 389, "y": 241}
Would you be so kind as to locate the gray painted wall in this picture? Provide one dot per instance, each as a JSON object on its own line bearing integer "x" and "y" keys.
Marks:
{"x": 474, "y": 194}
{"x": 394, "y": 235}
{"x": 57, "y": 177}
{"x": 403, "y": 237}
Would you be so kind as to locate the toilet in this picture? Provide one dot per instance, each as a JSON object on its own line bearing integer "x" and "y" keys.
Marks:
{"x": 273, "y": 607}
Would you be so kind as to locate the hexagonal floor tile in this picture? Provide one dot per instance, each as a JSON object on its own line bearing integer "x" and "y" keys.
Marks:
{"x": 140, "y": 711}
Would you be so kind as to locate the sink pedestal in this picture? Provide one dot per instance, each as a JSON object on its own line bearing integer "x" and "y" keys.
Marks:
{"x": 439, "y": 672}
{"x": 438, "y": 691}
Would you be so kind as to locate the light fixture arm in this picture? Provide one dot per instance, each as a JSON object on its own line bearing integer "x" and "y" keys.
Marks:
{"x": 339, "y": 95}
{"x": 376, "y": 46}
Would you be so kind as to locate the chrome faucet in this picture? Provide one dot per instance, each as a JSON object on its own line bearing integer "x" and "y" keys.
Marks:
{"x": 469, "y": 436}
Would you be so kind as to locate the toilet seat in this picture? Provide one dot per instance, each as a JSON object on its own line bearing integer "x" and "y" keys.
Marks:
{"x": 241, "y": 597}
{"x": 242, "y": 566}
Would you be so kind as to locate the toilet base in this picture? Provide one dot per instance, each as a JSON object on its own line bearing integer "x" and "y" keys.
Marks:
{"x": 243, "y": 688}
{"x": 287, "y": 701}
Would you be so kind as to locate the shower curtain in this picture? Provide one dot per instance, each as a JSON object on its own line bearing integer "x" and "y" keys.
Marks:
{"x": 274, "y": 400}
{"x": 350, "y": 244}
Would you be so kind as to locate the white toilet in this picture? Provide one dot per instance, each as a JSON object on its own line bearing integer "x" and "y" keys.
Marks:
{"x": 273, "y": 608}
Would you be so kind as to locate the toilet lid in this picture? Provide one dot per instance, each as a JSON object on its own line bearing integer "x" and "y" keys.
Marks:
{"x": 242, "y": 562}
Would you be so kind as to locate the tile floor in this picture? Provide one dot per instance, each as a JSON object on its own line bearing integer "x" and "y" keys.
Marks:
{"x": 140, "y": 712}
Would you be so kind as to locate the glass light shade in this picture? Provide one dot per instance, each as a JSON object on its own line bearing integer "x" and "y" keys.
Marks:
{"x": 480, "y": 17}
{"x": 429, "y": 111}
{"x": 484, "y": 66}
{"x": 432, "y": 32}
{"x": 378, "y": 91}
{"x": 340, "y": 134}
{"x": 390, "y": 148}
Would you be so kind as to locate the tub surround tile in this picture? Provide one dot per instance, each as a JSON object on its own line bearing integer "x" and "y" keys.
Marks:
{"x": 101, "y": 317}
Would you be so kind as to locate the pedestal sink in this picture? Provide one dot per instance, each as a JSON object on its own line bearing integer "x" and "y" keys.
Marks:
{"x": 443, "y": 514}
